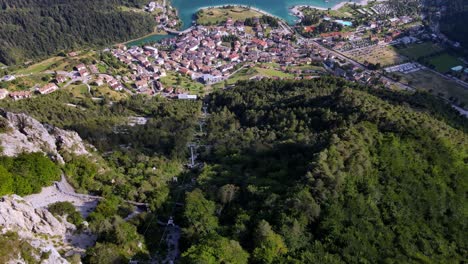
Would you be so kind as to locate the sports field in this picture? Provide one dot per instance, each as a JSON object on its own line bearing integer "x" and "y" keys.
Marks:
{"x": 416, "y": 51}
{"x": 444, "y": 62}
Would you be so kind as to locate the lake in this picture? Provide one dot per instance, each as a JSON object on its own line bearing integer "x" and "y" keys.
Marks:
{"x": 148, "y": 39}
{"x": 279, "y": 8}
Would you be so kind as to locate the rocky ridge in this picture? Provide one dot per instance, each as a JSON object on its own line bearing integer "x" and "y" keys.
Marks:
{"x": 38, "y": 227}
{"x": 23, "y": 133}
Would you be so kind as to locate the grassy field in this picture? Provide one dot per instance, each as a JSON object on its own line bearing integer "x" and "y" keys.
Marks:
{"x": 385, "y": 55}
{"x": 217, "y": 15}
{"x": 26, "y": 82}
{"x": 273, "y": 73}
{"x": 344, "y": 12}
{"x": 183, "y": 82}
{"x": 130, "y": 9}
{"x": 104, "y": 90}
{"x": 57, "y": 63}
{"x": 78, "y": 90}
{"x": 416, "y": 51}
{"x": 248, "y": 73}
{"x": 444, "y": 62}
{"x": 436, "y": 84}
{"x": 40, "y": 66}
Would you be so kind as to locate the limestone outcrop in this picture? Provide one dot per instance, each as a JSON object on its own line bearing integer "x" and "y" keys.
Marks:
{"x": 38, "y": 227}
{"x": 22, "y": 133}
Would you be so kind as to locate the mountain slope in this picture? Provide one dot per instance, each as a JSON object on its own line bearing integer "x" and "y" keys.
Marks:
{"x": 38, "y": 28}
{"x": 325, "y": 172}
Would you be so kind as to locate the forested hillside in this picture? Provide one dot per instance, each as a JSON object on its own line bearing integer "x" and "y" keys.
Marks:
{"x": 454, "y": 21}
{"x": 35, "y": 28}
{"x": 327, "y": 172}
{"x": 131, "y": 162}
{"x": 319, "y": 171}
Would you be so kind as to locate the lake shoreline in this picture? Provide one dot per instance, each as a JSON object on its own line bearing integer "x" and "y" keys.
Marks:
{"x": 293, "y": 10}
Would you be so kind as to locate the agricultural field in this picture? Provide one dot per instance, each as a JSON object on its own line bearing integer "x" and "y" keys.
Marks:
{"x": 385, "y": 55}
{"x": 437, "y": 85}
{"x": 416, "y": 51}
{"x": 217, "y": 15}
{"x": 444, "y": 62}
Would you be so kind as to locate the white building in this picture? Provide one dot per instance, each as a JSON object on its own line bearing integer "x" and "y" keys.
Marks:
{"x": 187, "y": 97}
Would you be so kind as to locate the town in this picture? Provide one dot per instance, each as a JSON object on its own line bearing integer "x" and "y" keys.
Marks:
{"x": 367, "y": 44}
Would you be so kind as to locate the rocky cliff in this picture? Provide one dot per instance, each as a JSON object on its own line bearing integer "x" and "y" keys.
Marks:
{"x": 38, "y": 228}
{"x": 22, "y": 133}
{"x": 30, "y": 233}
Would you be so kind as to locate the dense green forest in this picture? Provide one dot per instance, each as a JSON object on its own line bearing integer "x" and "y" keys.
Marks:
{"x": 134, "y": 163}
{"x": 138, "y": 159}
{"x": 37, "y": 28}
{"x": 319, "y": 171}
{"x": 27, "y": 173}
{"x": 327, "y": 172}
{"x": 453, "y": 23}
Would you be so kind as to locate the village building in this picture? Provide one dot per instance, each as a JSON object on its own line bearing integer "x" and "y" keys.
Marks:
{"x": 187, "y": 97}
{"x": 60, "y": 79}
{"x": 84, "y": 73}
{"x": 80, "y": 67}
{"x": 48, "y": 88}
{"x": 18, "y": 95}
{"x": 142, "y": 84}
{"x": 94, "y": 69}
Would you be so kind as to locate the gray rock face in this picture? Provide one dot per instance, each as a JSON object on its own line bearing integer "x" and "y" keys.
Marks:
{"x": 37, "y": 226}
{"x": 17, "y": 214}
{"x": 26, "y": 134}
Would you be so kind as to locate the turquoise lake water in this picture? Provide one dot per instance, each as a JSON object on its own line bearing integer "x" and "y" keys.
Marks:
{"x": 279, "y": 8}
{"x": 148, "y": 39}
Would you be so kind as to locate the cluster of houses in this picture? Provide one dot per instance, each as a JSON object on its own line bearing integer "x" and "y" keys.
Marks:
{"x": 166, "y": 16}
{"x": 207, "y": 54}
{"x": 211, "y": 54}
{"x": 382, "y": 32}
{"x": 17, "y": 95}
{"x": 152, "y": 6}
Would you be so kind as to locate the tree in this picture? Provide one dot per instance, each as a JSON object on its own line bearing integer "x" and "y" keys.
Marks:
{"x": 227, "y": 193}
{"x": 215, "y": 249}
{"x": 66, "y": 209}
{"x": 105, "y": 253}
{"x": 269, "y": 245}
{"x": 199, "y": 214}
{"x": 6, "y": 182}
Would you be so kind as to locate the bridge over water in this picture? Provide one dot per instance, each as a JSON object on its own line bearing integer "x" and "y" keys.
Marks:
{"x": 176, "y": 32}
